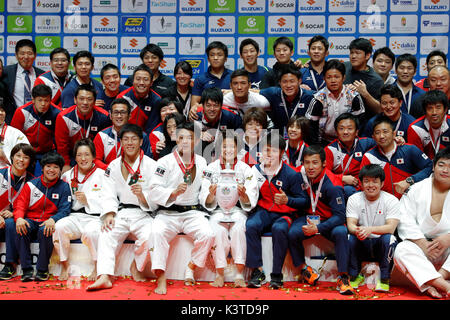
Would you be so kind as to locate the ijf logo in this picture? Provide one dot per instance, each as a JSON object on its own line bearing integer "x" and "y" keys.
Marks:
{"x": 191, "y": 45}
{"x": 135, "y": 6}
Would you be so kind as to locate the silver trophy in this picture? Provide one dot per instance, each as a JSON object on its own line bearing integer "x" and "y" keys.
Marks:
{"x": 227, "y": 191}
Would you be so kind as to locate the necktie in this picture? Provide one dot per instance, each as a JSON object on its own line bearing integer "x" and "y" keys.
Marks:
{"x": 27, "y": 86}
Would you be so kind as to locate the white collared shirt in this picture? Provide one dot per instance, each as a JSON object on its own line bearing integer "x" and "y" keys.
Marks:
{"x": 19, "y": 86}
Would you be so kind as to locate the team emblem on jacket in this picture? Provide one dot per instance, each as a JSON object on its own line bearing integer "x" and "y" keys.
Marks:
{"x": 339, "y": 200}
{"x": 55, "y": 196}
{"x": 358, "y": 154}
{"x": 446, "y": 139}
{"x": 160, "y": 171}
{"x": 279, "y": 183}
{"x": 48, "y": 122}
{"x": 400, "y": 161}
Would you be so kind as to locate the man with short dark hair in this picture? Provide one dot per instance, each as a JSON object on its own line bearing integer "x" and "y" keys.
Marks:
{"x": 152, "y": 55}
{"x": 83, "y": 120}
{"x": 313, "y": 76}
{"x": 372, "y": 217}
{"x": 126, "y": 208}
{"x": 58, "y": 77}
{"x": 143, "y": 99}
{"x": 110, "y": 75}
{"x": 423, "y": 255}
{"x": 107, "y": 142}
{"x": 217, "y": 75}
{"x": 403, "y": 165}
{"x": 431, "y": 132}
{"x": 405, "y": 68}
{"x": 326, "y": 216}
{"x": 287, "y": 99}
{"x": 383, "y": 62}
{"x": 83, "y": 63}
{"x": 362, "y": 77}
{"x": 281, "y": 198}
{"x": 249, "y": 52}
{"x": 37, "y": 120}
{"x": 434, "y": 58}
{"x": 41, "y": 203}
{"x": 19, "y": 77}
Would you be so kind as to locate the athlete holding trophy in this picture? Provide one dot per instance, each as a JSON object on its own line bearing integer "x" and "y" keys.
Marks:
{"x": 229, "y": 191}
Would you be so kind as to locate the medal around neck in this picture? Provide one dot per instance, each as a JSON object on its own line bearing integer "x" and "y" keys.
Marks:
{"x": 227, "y": 193}
{"x": 134, "y": 178}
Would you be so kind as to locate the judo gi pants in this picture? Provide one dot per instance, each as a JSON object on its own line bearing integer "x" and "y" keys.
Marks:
{"x": 229, "y": 236}
{"x": 45, "y": 246}
{"x": 260, "y": 222}
{"x": 413, "y": 262}
{"x": 193, "y": 223}
{"x": 77, "y": 226}
{"x": 131, "y": 222}
{"x": 338, "y": 235}
{"x": 379, "y": 249}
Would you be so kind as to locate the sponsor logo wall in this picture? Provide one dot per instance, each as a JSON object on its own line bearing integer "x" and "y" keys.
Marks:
{"x": 116, "y": 30}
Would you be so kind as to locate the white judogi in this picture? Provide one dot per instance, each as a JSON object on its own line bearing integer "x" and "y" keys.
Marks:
{"x": 12, "y": 137}
{"x": 229, "y": 235}
{"x": 168, "y": 223}
{"x": 134, "y": 221}
{"x": 417, "y": 223}
{"x": 79, "y": 224}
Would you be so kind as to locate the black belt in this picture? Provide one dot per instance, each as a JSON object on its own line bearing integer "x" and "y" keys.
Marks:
{"x": 178, "y": 208}
{"x": 128, "y": 206}
{"x": 82, "y": 210}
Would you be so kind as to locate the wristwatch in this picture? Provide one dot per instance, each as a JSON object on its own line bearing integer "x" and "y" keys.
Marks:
{"x": 410, "y": 180}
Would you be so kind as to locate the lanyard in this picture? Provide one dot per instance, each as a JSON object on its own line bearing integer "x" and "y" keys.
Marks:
{"x": 408, "y": 104}
{"x": 315, "y": 200}
{"x": 11, "y": 199}
{"x": 296, "y": 107}
{"x": 116, "y": 142}
{"x": 74, "y": 183}
{"x": 2, "y": 134}
{"x": 86, "y": 135}
{"x": 299, "y": 150}
{"x": 311, "y": 72}
{"x": 398, "y": 123}
{"x": 187, "y": 175}
{"x": 134, "y": 174}
{"x": 437, "y": 140}
{"x": 344, "y": 169}
{"x": 374, "y": 215}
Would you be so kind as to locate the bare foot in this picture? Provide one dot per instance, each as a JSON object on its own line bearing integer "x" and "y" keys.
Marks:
{"x": 239, "y": 283}
{"x": 189, "y": 277}
{"x": 432, "y": 292}
{"x": 93, "y": 274}
{"x": 137, "y": 275}
{"x": 219, "y": 282}
{"x": 161, "y": 285}
{"x": 103, "y": 282}
{"x": 64, "y": 274}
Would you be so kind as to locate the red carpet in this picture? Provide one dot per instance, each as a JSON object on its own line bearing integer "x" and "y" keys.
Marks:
{"x": 127, "y": 289}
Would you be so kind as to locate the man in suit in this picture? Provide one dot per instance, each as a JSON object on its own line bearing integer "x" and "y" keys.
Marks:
{"x": 19, "y": 77}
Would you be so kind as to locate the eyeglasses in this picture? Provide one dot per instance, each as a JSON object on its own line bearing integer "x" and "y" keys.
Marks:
{"x": 60, "y": 60}
{"x": 122, "y": 113}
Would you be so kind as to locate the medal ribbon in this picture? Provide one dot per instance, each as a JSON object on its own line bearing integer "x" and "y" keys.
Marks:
{"x": 74, "y": 183}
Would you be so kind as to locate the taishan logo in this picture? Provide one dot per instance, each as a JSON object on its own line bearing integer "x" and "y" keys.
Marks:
{"x": 281, "y": 21}
{"x": 221, "y": 22}
{"x": 133, "y": 43}
{"x": 341, "y": 21}
{"x": 105, "y": 21}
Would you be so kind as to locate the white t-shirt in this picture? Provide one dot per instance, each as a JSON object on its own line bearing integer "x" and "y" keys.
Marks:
{"x": 254, "y": 100}
{"x": 373, "y": 213}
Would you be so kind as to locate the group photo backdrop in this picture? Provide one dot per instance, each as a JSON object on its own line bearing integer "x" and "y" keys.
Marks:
{"x": 115, "y": 30}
